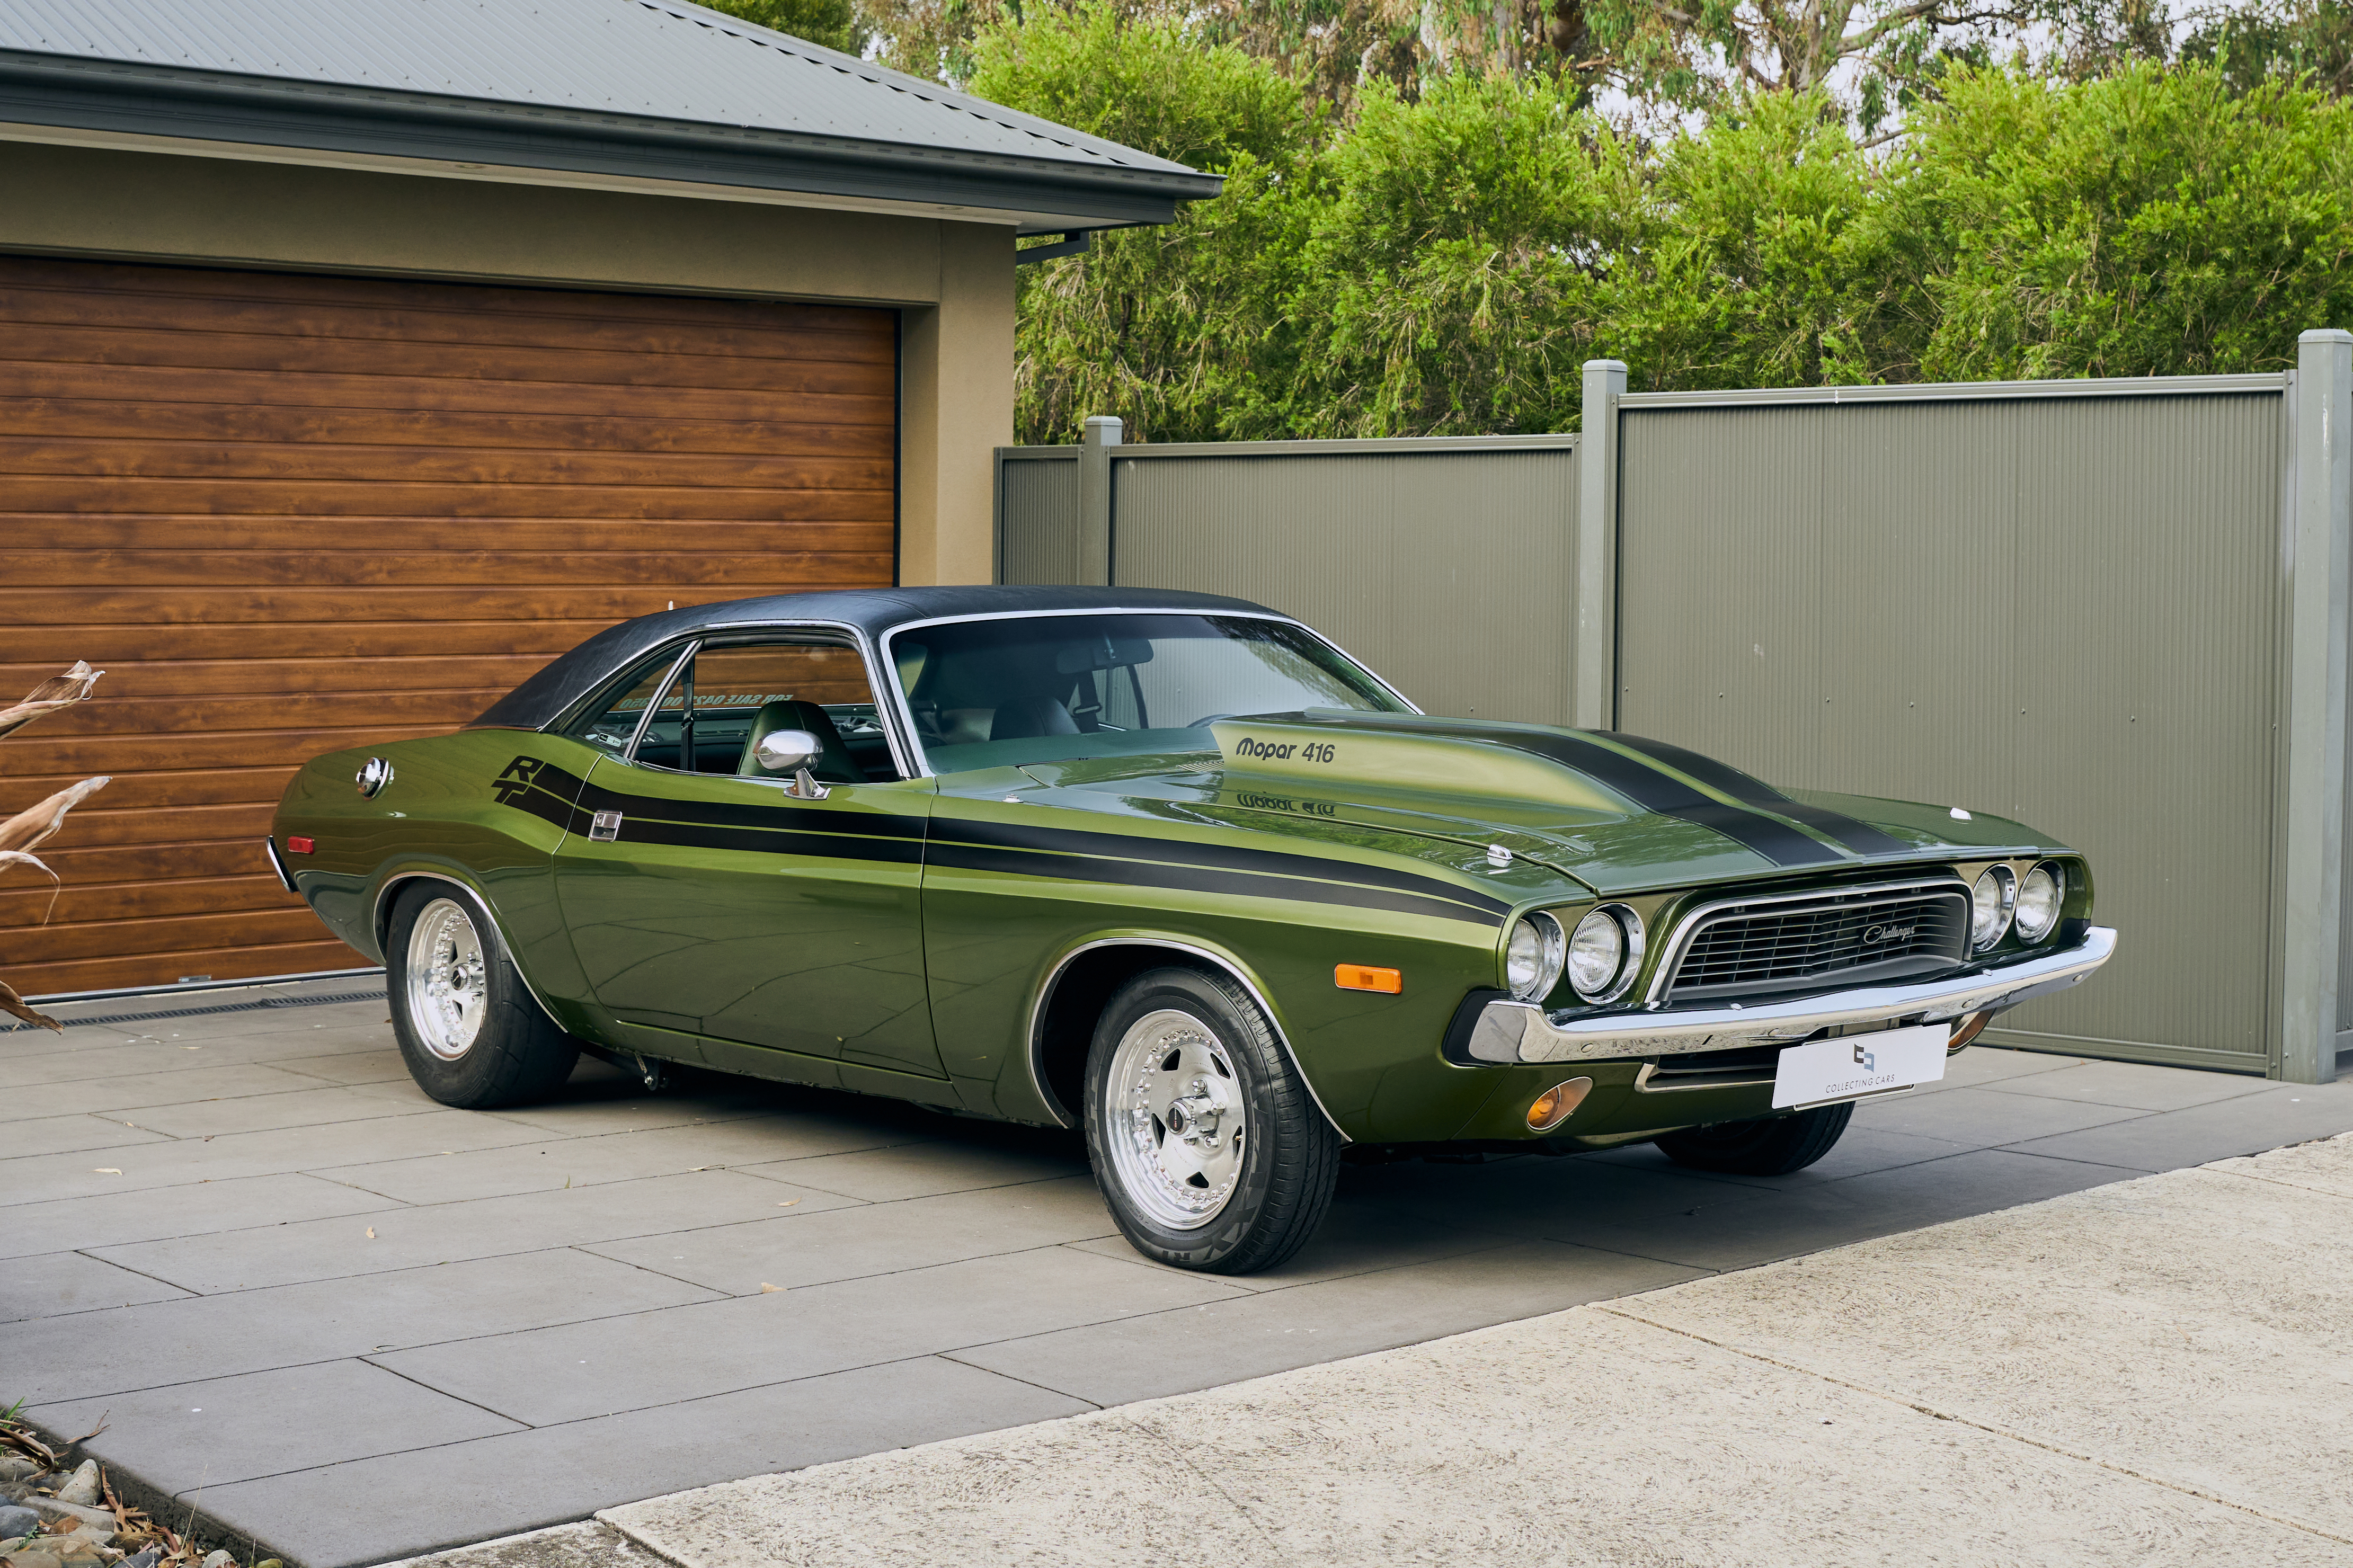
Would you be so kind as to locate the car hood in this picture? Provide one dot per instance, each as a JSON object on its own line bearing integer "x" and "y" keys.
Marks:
{"x": 1618, "y": 813}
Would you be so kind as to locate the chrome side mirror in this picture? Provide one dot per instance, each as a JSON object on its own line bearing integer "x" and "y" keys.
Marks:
{"x": 792, "y": 752}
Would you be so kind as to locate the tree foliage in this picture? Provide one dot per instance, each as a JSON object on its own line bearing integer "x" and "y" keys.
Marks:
{"x": 832, "y": 23}
{"x": 1444, "y": 262}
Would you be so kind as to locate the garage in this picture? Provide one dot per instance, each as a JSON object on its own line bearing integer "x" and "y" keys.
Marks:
{"x": 289, "y": 514}
{"x": 336, "y": 395}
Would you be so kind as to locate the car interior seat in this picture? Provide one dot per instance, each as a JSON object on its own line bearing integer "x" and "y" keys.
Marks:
{"x": 833, "y": 766}
{"x": 1027, "y": 716}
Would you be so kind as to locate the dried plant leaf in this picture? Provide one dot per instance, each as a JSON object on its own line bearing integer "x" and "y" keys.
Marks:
{"x": 17, "y": 856}
{"x": 57, "y": 691}
{"x": 36, "y": 823}
{"x": 13, "y": 1004}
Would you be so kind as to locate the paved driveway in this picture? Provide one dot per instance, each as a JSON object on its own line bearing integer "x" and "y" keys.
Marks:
{"x": 359, "y": 1325}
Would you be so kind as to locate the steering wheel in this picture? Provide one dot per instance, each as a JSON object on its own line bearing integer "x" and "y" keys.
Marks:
{"x": 1205, "y": 723}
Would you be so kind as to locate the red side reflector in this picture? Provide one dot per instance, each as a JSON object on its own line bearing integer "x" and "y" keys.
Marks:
{"x": 1365, "y": 977}
{"x": 300, "y": 846}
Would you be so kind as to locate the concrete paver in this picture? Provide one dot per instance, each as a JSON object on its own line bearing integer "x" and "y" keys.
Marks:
{"x": 56, "y": 1283}
{"x": 717, "y": 1347}
{"x": 410, "y": 1237}
{"x": 933, "y": 1276}
{"x": 198, "y": 1338}
{"x": 199, "y": 1208}
{"x": 265, "y": 1423}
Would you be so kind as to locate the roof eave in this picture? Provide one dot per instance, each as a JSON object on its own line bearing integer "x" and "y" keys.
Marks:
{"x": 162, "y": 100}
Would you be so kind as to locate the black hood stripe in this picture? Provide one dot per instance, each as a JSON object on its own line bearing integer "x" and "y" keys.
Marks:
{"x": 1855, "y": 833}
{"x": 1656, "y": 792}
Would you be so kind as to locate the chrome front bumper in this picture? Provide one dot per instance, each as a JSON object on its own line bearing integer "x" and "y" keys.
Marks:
{"x": 1523, "y": 1032}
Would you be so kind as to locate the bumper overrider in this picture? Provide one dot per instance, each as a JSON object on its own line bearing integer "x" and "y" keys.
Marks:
{"x": 1523, "y": 1032}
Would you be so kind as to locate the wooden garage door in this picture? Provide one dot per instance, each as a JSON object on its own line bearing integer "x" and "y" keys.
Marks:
{"x": 289, "y": 515}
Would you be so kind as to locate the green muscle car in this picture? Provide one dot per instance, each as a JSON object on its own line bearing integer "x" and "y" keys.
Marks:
{"x": 1168, "y": 868}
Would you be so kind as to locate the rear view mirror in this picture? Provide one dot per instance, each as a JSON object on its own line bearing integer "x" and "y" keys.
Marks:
{"x": 1100, "y": 653}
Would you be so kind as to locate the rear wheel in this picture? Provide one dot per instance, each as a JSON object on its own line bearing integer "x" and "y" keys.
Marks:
{"x": 471, "y": 1035}
{"x": 1207, "y": 1147}
{"x": 1769, "y": 1146}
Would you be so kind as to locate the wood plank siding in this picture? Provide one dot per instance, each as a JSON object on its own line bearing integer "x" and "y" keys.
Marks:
{"x": 289, "y": 515}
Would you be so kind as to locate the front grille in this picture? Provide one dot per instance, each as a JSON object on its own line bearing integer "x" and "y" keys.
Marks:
{"x": 1847, "y": 939}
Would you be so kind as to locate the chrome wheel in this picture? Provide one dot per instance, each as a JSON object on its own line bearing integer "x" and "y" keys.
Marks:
{"x": 1174, "y": 1119}
{"x": 447, "y": 979}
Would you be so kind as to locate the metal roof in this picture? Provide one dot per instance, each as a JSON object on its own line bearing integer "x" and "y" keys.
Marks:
{"x": 645, "y": 89}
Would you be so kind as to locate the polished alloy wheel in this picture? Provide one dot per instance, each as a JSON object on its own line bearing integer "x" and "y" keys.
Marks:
{"x": 1173, "y": 1120}
{"x": 447, "y": 988}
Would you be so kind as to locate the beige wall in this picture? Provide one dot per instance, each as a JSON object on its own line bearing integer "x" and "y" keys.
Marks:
{"x": 953, "y": 281}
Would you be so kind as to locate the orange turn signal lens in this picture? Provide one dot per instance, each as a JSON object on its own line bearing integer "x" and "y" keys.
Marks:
{"x": 1557, "y": 1104}
{"x": 300, "y": 846}
{"x": 1365, "y": 977}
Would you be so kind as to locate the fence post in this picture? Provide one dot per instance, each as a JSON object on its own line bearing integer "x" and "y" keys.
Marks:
{"x": 2320, "y": 553}
{"x": 1593, "y": 654}
{"x": 1103, "y": 432}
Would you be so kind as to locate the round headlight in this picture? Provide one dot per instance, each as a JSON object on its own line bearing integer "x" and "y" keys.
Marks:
{"x": 2039, "y": 898}
{"x": 1991, "y": 901}
{"x": 1604, "y": 952}
{"x": 1532, "y": 959}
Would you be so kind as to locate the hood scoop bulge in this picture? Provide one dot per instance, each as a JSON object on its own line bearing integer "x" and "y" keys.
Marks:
{"x": 1377, "y": 751}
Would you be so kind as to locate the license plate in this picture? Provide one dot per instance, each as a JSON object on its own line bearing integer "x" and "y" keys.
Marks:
{"x": 1852, "y": 1066}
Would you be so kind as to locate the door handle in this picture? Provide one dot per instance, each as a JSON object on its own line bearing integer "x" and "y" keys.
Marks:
{"x": 605, "y": 827}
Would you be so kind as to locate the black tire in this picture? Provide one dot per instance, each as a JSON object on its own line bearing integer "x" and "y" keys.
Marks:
{"x": 514, "y": 1054}
{"x": 1282, "y": 1179}
{"x": 1769, "y": 1146}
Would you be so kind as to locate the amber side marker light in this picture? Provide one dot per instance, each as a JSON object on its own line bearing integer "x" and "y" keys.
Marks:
{"x": 1969, "y": 1029}
{"x": 1557, "y": 1104}
{"x": 1365, "y": 977}
{"x": 300, "y": 846}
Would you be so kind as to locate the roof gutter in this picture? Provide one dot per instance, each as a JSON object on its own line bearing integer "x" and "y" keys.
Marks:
{"x": 169, "y": 101}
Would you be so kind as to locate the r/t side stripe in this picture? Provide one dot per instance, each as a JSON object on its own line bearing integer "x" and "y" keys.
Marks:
{"x": 1063, "y": 855}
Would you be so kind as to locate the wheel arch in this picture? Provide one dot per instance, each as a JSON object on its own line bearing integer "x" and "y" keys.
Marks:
{"x": 387, "y": 894}
{"x": 1081, "y": 983}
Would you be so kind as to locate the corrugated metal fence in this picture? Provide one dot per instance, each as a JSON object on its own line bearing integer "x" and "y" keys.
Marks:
{"x": 2115, "y": 610}
{"x": 1381, "y": 545}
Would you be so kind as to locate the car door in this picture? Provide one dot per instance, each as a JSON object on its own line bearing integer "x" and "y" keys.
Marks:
{"x": 708, "y": 898}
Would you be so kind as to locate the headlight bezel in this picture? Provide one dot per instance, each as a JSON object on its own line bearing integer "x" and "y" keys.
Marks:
{"x": 1552, "y": 955}
{"x": 2057, "y": 873}
{"x": 1629, "y": 924}
{"x": 1983, "y": 937}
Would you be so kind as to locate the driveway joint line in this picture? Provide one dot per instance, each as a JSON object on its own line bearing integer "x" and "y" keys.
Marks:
{"x": 1025, "y": 1382}
{"x": 431, "y": 1388}
{"x": 1934, "y": 1413}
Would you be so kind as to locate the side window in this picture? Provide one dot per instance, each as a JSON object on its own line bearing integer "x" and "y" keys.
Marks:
{"x": 607, "y": 726}
{"x": 730, "y": 695}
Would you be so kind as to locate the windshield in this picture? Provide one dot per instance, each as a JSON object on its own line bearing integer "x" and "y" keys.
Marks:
{"x": 1043, "y": 689}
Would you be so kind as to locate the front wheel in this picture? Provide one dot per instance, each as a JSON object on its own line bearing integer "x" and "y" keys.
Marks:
{"x": 471, "y": 1035}
{"x": 1207, "y": 1147}
{"x": 1769, "y": 1146}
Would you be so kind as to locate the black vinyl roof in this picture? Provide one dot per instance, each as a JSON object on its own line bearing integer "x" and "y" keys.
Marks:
{"x": 547, "y": 695}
